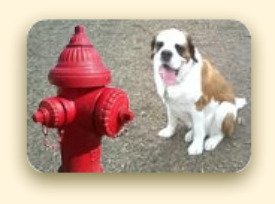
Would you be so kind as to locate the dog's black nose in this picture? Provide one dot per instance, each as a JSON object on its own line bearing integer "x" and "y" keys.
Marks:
{"x": 166, "y": 55}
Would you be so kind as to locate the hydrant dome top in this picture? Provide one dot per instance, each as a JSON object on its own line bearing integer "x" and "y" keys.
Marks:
{"x": 79, "y": 64}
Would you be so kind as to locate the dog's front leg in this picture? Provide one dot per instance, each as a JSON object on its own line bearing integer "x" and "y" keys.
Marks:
{"x": 199, "y": 134}
{"x": 171, "y": 124}
{"x": 159, "y": 85}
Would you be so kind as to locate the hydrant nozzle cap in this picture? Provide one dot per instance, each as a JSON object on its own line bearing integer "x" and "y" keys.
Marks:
{"x": 79, "y": 64}
{"x": 38, "y": 117}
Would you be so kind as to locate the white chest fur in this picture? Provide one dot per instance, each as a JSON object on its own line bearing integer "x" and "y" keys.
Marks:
{"x": 182, "y": 96}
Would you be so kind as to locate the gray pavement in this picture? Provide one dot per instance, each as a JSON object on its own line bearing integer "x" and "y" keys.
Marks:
{"x": 125, "y": 48}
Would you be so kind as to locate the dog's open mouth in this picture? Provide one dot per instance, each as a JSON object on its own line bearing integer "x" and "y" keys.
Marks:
{"x": 168, "y": 74}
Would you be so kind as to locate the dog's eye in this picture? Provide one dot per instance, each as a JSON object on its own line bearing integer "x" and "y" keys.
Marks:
{"x": 180, "y": 49}
{"x": 159, "y": 45}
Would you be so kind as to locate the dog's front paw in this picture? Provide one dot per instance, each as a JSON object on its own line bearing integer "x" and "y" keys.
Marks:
{"x": 195, "y": 148}
{"x": 188, "y": 124}
{"x": 188, "y": 136}
{"x": 166, "y": 132}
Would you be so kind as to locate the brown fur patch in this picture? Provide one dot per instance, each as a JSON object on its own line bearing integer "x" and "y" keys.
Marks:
{"x": 228, "y": 125}
{"x": 214, "y": 86}
{"x": 188, "y": 51}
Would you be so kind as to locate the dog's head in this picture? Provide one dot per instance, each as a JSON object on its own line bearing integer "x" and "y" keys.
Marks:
{"x": 171, "y": 50}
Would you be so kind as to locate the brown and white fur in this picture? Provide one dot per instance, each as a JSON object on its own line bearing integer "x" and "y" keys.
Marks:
{"x": 200, "y": 92}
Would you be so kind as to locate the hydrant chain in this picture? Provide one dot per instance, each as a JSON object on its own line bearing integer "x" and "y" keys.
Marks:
{"x": 46, "y": 141}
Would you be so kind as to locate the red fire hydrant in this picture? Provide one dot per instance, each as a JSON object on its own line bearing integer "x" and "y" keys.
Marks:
{"x": 84, "y": 109}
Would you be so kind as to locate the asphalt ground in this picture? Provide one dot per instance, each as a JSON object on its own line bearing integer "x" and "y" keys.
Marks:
{"x": 125, "y": 47}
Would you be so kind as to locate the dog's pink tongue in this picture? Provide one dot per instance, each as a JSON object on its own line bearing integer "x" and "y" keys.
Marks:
{"x": 168, "y": 76}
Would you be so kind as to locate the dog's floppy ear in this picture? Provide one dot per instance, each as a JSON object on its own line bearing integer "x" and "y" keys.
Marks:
{"x": 153, "y": 42}
{"x": 191, "y": 48}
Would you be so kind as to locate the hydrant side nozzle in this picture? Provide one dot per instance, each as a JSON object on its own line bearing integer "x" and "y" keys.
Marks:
{"x": 112, "y": 111}
{"x": 55, "y": 112}
{"x": 69, "y": 110}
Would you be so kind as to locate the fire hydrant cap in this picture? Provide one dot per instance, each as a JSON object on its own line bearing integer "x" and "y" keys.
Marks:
{"x": 80, "y": 65}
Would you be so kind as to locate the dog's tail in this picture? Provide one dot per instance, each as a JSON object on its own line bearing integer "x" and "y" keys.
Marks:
{"x": 240, "y": 102}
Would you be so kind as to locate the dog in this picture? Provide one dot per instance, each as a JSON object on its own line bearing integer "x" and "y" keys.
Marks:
{"x": 189, "y": 85}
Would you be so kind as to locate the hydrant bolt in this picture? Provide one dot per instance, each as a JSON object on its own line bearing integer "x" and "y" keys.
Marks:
{"x": 80, "y": 29}
{"x": 126, "y": 116}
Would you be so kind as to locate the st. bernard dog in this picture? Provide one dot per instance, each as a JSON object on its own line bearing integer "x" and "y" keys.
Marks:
{"x": 190, "y": 85}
